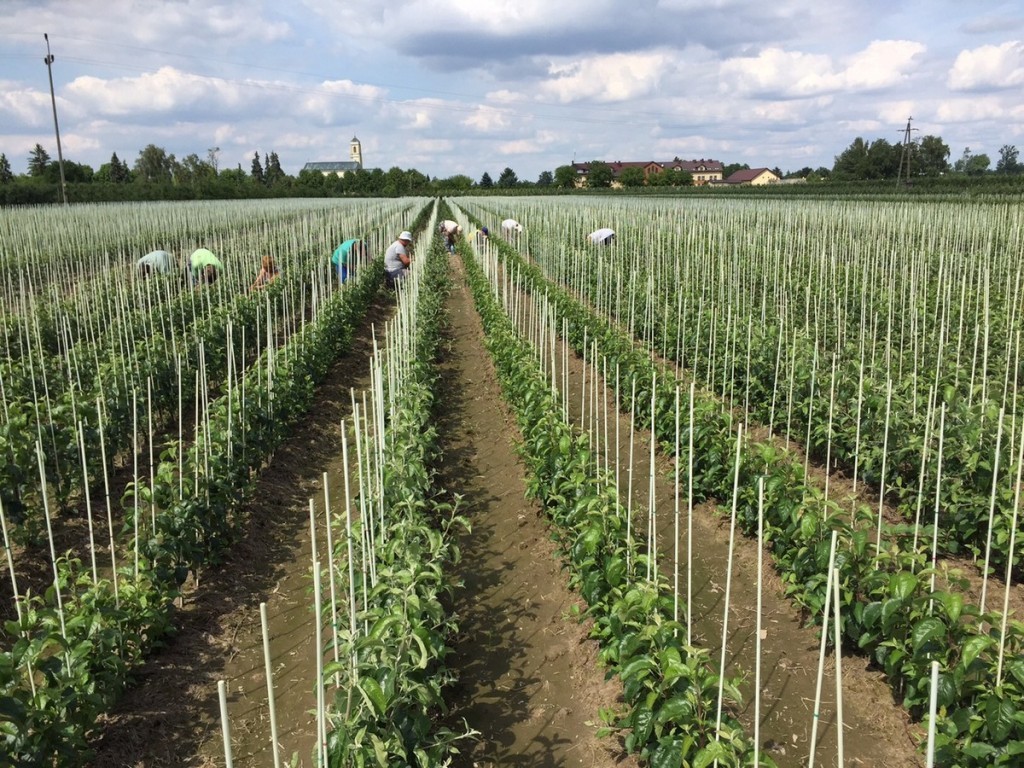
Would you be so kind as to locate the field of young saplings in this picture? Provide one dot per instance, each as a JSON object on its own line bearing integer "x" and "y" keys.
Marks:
{"x": 736, "y": 409}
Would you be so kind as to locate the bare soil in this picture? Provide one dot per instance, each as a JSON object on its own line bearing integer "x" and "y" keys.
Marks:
{"x": 529, "y": 679}
{"x": 529, "y": 682}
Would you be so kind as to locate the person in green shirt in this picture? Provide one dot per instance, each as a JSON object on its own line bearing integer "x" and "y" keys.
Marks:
{"x": 344, "y": 256}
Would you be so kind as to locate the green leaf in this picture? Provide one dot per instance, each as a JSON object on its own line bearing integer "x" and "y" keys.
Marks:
{"x": 953, "y": 603}
{"x": 668, "y": 754}
{"x": 371, "y": 691}
{"x": 999, "y": 714}
{"x": 675, "y": 710}
{"x": 927, "y": 630}
{"x": 637, "y": 666}
{"x": 973, "y": 648}
{"x": 902, "y": 585}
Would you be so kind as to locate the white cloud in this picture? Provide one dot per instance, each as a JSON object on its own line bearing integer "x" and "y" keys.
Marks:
{"x": 166, "y": 90}
{"x": 24, "y": 107}
{"x": 340, "y": 100}
{"x": 989, "y": 67}
{"x": 970, "y": 110}
{"x": 488, "y": 119}
{"x": 793, "y": 74}
{"x": 528, "y": 146}
{"x": 618, "y": 77}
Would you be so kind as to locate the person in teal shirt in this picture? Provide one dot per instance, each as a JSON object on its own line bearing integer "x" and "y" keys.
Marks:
{"x": 343, "y": 256}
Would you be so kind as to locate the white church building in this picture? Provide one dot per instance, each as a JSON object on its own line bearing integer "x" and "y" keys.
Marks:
{"x": 340, "y": 167}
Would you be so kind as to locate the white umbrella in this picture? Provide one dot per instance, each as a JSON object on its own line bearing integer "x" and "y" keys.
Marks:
{"x": 602, "y": 235}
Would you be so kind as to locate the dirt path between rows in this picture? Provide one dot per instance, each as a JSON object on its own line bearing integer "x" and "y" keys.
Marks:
{"x": 529, "y": 680}
{"x": 877, "y": 730}
{"x": 171, "y": 716}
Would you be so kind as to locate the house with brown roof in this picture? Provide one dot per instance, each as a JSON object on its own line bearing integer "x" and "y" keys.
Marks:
{"x": 703, "y": 171}
{"x": 754, "y": 177}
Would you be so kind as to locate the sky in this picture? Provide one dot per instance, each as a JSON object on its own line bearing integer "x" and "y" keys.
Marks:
{"x": 471, "y": 86}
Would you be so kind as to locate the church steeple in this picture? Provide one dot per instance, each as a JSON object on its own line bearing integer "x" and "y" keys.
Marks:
{"x": 355, "y": 152}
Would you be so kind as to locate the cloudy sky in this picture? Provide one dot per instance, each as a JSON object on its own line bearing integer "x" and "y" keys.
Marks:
{"x": 467, "y": 86}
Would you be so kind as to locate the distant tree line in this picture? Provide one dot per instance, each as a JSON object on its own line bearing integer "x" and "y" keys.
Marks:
{"x": 929, "y": 157}
{"x": 157, "y": 175}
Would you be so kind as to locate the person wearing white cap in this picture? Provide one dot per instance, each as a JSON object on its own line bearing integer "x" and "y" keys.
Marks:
{"x": 397, "y": 259}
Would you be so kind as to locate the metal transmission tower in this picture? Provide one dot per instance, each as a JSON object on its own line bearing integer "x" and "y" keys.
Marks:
{"x": 56, "y": 128}
{"x": 905, "y": 154}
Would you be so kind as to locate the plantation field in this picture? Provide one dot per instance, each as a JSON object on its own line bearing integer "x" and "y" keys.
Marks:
{"x": 314, "y": 519}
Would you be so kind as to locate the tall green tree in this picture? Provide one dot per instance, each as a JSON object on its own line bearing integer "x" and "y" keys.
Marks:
{"x": 459, "y": 182}
{"x": 6, "y": 174}
{"x": 971, "y": 164}
{"x": 154, "y": 165}
{"x": 632, "y": 177}
{"x": 862, "y": 161}
{"x": 1008, "y": 162}
{"x": 508, "y": 179}
{"x": 74, "y": 173}
{"x": 546, "y": 179}
{"x": 274, "y": 173}
{"x": 600, "y": 175}
{"x": 194, "y": 171}
{"x": 486, "y": 182}
{"x": 38, "y": 159}
{"x": 565, "y": 177}
{"x": 119, "y": 170}
{"x": 257, "y": 169}
{"x": 931, "y": 157}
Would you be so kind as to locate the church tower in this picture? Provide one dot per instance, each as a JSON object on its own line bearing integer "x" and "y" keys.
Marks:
{"x": 355, "y": 152}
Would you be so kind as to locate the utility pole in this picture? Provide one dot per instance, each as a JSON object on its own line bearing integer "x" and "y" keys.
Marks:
{"x": 905, "y": 154}
{"x": 56, "y": 128}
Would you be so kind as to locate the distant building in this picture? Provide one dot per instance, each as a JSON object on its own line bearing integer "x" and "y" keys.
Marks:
{"x": 755, "y": 177}
{"x": 340, "y": 167}
{"x": 703, "y": 171}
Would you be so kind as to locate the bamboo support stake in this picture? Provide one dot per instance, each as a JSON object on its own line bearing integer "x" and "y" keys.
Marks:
{"x": 689, "y": 522}
{"x": 652, "y": 511}
{"x": 837, "y": 629}
{"x": 881, "y": 481}
{"x": 88, "y": 506}
{"x": 629, "y": 482}
{"x": 225, "y": 725}
{"x": 53, "y": 550}
{"x": 1011, "y": 550}
{"x": 728, "y": 582}
{"x": 757, "y": 630}
{"x": 110, "y": 511}
{"x": 330, "y": 572}
{"x": 675, "y": 520}
{"x": 821, "y": 654}
{"x": 938, "y": 500}
{"x": 269, "y": 673}
{"x": 135, "y": 479}
{"x": 991, "y": 512}
{"x": 933, "y": 701}
{"x": 321, "y": 716}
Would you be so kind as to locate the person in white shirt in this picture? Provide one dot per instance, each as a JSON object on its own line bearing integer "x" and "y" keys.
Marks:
{"x": 510, "y": 228}
{"x": 397, "y": 259}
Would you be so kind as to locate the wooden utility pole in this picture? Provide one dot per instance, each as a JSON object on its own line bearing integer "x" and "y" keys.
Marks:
{"x": 56, "y": 128}
{"x": 905, "y": 154}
